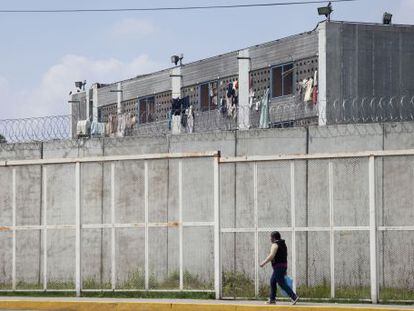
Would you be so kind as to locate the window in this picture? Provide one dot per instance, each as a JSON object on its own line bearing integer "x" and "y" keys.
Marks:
{"x": 208, "y": 96}
{"x": 146, "y": 109}
{"x": 282, "y": 80}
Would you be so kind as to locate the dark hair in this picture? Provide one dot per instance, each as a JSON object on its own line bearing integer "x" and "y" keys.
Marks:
{"x": 275, "y": 235}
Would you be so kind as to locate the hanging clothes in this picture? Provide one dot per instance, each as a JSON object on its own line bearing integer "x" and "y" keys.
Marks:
{"x": 169, "y": 118}
{"x": 315, "y": 88}
{"x": 113, "y": 124}
{"x": 264, "y": 111}
{"x": 184, "y": 118}
{"x": 97, "y": 129}
{"x": 231, "y": 100}
{"x": 251, "y": 98}
{"x": 121, "y": 125}
{"x": 190, "y": 119}
{"x": 83, "y": 128}
{"x": 223, "y": 108}
{"x": 176, "y": 125}
{"x": 176, "y": 106}
{"x": 309, "y": 90}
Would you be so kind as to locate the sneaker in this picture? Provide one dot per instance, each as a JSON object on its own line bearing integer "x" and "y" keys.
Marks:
{"x": 271, "y": 302}
{"x": 294, "y": 301}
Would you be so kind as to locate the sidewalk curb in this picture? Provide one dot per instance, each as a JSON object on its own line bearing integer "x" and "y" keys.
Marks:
{"x": 160, "y": 306}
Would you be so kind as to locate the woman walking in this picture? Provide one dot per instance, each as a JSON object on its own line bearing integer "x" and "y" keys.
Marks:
{"x": 278, "y": 258}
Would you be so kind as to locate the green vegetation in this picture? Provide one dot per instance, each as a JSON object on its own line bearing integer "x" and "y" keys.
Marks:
{"x": 387, "y": 294}
{"x": 318, "y": 291}
{"x": 237, "y": 284}
{"x": 194, "y": 282}
{"x": 60, "y": 285}
{"x": 2, "y": 139}
{"x": 136, "y": 280}
{"x": 91, "y": 283}
{"x": 5, "y": 286}
{"x": 353, "y": 292}
{"x": 171, "y": 282}
{"x": 28, "y": 286}
{"x": 155, "y": 295}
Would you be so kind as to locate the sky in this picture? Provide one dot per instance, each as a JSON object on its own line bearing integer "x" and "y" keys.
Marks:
{"x": 41, "y": 55}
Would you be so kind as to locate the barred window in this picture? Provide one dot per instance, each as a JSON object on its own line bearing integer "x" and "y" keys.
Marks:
{"x": 282, "y": 80}
{"x": 146, "y": 110}
{"x": 208, "y": 96}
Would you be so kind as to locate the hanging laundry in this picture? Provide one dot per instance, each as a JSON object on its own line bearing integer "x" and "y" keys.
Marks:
{"x": 83, "y": 128}
{"x": 251, "y": 98}
{"x": 176, "y": 106}
{"x": 223, "y": 108}
{"x": 113, "y": 124}
{"x": 315, "y": 88}
{"x": 121, "y": 125}
{"x": 97, "y": 129}
{"x": 169, "y": 118}
{"x": 315, "y": 95}
{"x": 309, "y": 90}
{"x": 264, "y": 111}
{"x": 184, "y": 118}
{"x": 190, "y": 119}
{"x": 176, "y": 125}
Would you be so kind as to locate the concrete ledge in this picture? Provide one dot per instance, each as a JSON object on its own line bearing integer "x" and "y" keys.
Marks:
{"x": 114, "y": 305}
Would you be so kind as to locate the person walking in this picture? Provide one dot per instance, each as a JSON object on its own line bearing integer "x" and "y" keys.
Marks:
{"x": 278, "y": 258}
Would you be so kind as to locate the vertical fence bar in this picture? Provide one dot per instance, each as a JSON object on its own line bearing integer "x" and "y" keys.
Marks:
{"x": 78, "y": 230}
{"x": 146, "y": 228}
{"x": 373, "y": 231}
{"x": 256, "y": 233}
{"x": 44, "y": 200}
{"x": 293, "y": 221}
{"x": 180, "y": 220}
{"x": 217, "y": 243}
{"x": 113, "y": 258}
{"x": 331, "y": 232}
{"x": 14, "y": 229}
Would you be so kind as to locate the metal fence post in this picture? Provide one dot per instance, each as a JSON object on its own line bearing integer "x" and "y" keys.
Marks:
{"x": 14, "y": 229}
{"x": 217, "y": 228}
{"x": 373, "y": 231}
{"x": 78, "y": 281}
{"x": 44, "y": 200}
{"x": 146, "y": 227}
{"x": 293, "y": 221}
{"x": 256, "y": 233}
{"x": 331, "y": 231}
{"x": 180, "y": 220}
{"x": 113, "y": 253}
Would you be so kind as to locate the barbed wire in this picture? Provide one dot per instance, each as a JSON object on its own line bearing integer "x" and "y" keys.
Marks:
{"x": 36, "y": 129}
{"x": 342, "y": 117}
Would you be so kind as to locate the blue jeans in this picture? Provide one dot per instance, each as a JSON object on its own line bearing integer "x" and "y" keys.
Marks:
{"x": 278, "y": 277}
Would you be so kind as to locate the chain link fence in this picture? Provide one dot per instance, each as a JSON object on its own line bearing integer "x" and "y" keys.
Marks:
{"x": 198, "y": 222}
{"x": 128, "y": 224}
{"x": 347, "y": 222}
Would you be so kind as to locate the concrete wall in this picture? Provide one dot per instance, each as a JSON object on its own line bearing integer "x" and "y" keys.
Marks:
{"x": 394, "y": 181}
{"x": 368, "y": 60}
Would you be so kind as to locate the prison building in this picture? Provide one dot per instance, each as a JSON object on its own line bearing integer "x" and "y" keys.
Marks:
{"x": 340, "y": 72}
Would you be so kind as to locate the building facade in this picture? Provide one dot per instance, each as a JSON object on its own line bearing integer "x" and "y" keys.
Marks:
{"x": 339, "y": 72}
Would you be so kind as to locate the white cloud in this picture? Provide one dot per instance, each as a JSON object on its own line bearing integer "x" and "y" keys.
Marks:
{"x": 51, "y": 95}
{"x": 133, "y": 27}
